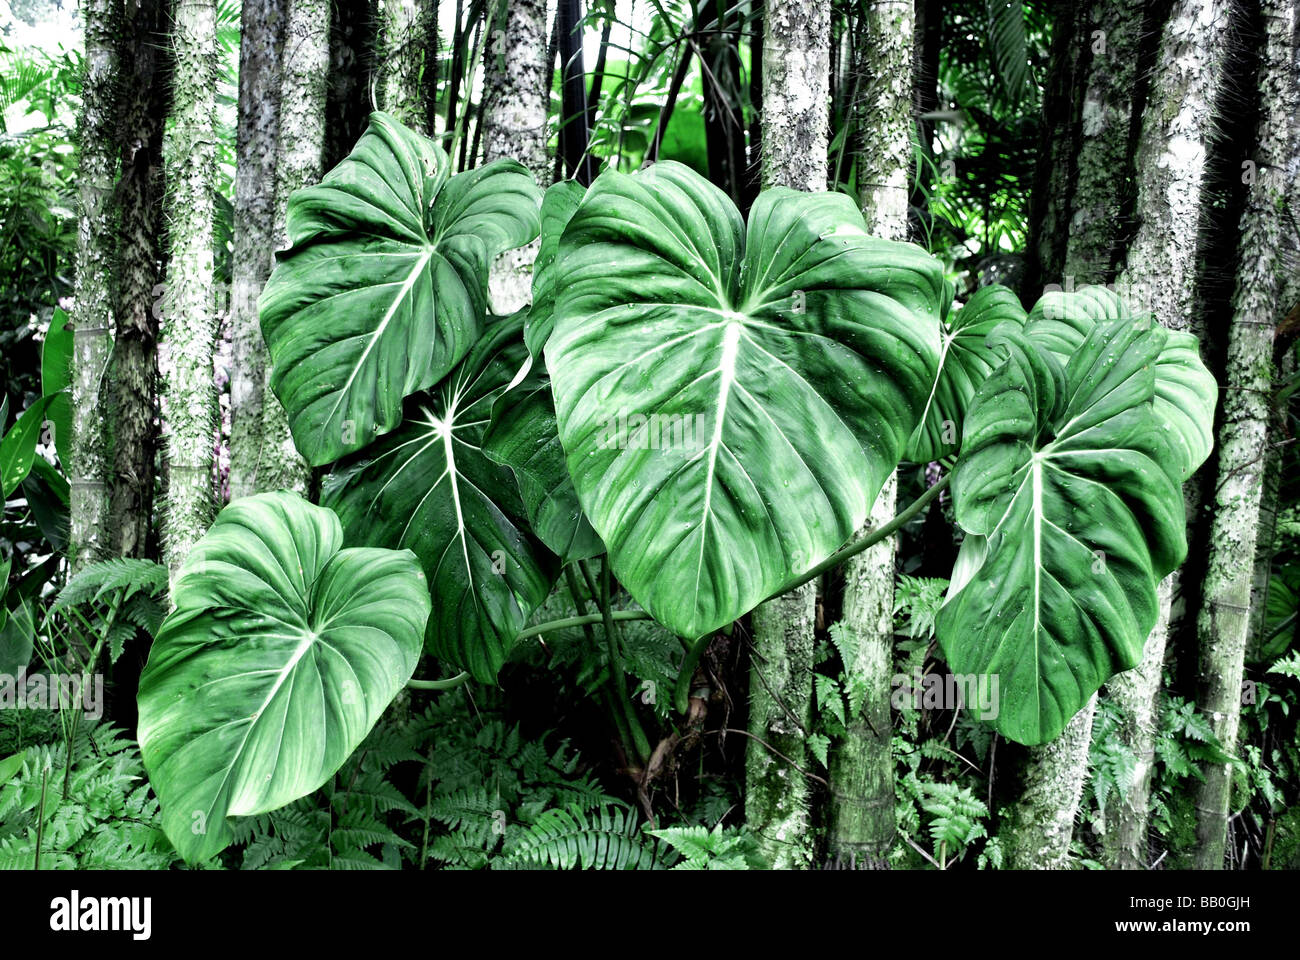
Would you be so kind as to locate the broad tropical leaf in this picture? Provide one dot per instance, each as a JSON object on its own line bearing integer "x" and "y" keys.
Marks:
{"x": 1075, "y": 522}
{"x": 1186, "y": 392}
{"x": 56, "y": 377}
{"x": 383, "y": 290}
{"x": 965, "y": 361}
{"x": 523, "y": 436}
{"x": 730, "y": 400}
{"x": 558, "y": 206}
{"x": 282, "y": 652}
{"x": 18, "y": 447}
{"x": 429, "y": 487}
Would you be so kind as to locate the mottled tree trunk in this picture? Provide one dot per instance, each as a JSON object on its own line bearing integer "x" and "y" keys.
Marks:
{"x": 1160, "y": 275}
{"x": 94, "y": 293}
{"x": 1037, "y": 833}
{"x": 189, "y": 318}
{"x": 300, "y": 149}
{"x": 1097, "y": 79}
{"x": 1224, "y": 619}
{"x": 260, "y": 50}
{"x": 516, "y": 84}
{"x": 796, "y": 85}
{"x": 406, "y": 63}
{"x": 134, "y": 381}
{"x": 862, "y": 767}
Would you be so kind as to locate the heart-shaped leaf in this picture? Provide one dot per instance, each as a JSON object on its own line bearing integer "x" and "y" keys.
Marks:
{"x": 282, "y": 652}
{"x": 965, "y": 361}
{"x": 1060, "y": 472}
{"x": 558, "y": 206}
{"x": 523, "y": 436}
{"x": 730, "y": 401}
{"x": 1186, "y": 392}
{"x": 429, "y": 487}
{"x": 384, "y": 288}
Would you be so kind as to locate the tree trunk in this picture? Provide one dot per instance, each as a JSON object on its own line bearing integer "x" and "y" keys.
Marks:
{"x": 189, "y": 319}
{"x": 134, "y": 382}
{"x": 260, "y": 51}
{"x": 407, "y": 67}
{"x": 1080, "y": 235}
{"x": 1037, "y": 834}
{"x": 796, "y": 85}
{"x": 94, "y": 291}
{"x": 1161, "y": 276}
{"x": 862, "y": 767}
{"x": 1243, "y": 437}
{"x": 300, "y": 149}
{"x": 516, "y": 83}
{"x": 354, "y": 29}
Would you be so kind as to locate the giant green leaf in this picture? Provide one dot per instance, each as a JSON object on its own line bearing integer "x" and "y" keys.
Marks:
{"x": 383, "y": 290}
{"x": 731, "y": 399}
{"x": 429, "y": 487}
{"x": 965, "y": 361}
{"x": 1186, "y": 392}
{"x": 1075, "y": 519}
{"x": 523, "y": 436}
{"x": 558, "y": 206}
{"x": 281, "y": 653}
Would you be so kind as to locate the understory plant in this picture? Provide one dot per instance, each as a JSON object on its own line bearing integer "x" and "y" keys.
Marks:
{"x": 695, "y": 415}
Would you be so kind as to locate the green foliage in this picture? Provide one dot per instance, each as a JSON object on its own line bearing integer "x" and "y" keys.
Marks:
{"x": 429, "y": 487}
{"x": 1072, "y": 469}
{"x": 399, "y": 284}
{"x": 717, "y": 849}
{"x": 281, "y": 652}
{"x": 787, "y": 445}
{"x": 88, "y": 805}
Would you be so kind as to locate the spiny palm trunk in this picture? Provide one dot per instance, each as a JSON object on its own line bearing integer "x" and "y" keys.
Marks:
{"x": 1243, "y": 438}
{"x": 516, "y": 84}
{"x": 1160, "y": 275}
{"x": 94, "y": 291}
{"x": 134, "y": 382}
{"x": 300, "y": 149}
{"x": 407, "y": 67}
{"x": 189, "y": 329}
{"x": 260, "y": 52}
{"x": 862, "y": 767}
{"x": 796, "y": 84}
{"x": 1037, "y": 832}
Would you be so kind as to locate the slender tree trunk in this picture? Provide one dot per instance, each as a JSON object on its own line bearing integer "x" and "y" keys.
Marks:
{"x": 1243, "y": 437}
{"x": 1161, "y": 275}
{"x": 354, "y": 29}
{"x": 1037, "y": 833}
{"x": 862, "y": 767}
{"x": 1098, "y": 53}
{"x": 134, "y": 381}
{"x": 516, "y": 83}
{"x": 260, "y": 52}
{"x": 406, "y": 67}
{"x": 189, "y": 319}
{"x": 796, "y": 85}
{"x": 1052, "y": 192}
{"x": 300, "y": 149}
{"x": 94, "y": 291}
